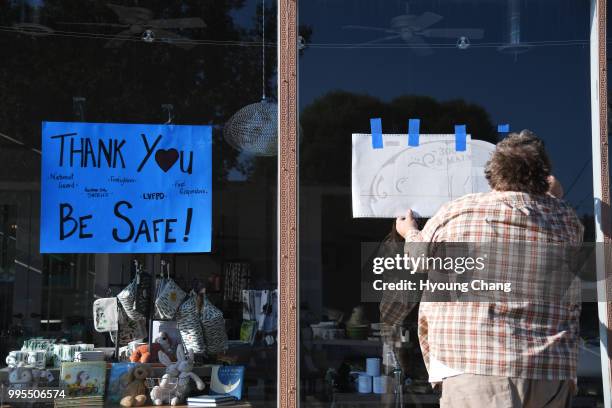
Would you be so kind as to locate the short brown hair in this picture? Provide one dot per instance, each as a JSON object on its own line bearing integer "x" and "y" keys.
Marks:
{"x": 519, "y": 163}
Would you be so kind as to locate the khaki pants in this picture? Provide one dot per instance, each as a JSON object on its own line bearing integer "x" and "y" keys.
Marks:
{"x": 478, "y": 391}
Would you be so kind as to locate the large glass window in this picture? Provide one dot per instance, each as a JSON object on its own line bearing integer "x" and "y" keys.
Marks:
{"x": 143, "y": 62}
{"x": 476, "y": 63}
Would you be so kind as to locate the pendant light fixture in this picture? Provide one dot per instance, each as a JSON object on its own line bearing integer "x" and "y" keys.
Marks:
{"x": 254, "y": 128}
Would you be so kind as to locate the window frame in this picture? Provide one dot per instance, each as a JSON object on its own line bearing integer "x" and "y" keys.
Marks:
{"x": 601, "y": 185}
{"x": 288, "y": 222}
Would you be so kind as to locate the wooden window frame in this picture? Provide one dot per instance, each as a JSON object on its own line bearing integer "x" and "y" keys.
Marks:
{"x": 601, "y": 185}
{"x": 288, "y": 349}
{"x": 288, "y": 324}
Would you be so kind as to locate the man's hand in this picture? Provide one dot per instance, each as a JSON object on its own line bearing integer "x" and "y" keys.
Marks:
{"x": 405, "y": 224}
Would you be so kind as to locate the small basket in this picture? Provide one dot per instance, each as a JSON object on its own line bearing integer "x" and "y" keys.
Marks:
{"x": 164, "y": 388}
{"x": 170, "y": 384}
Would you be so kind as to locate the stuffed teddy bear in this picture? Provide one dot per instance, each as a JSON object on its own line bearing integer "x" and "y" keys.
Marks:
{"x": 135, "y": 394}
{"x": 143, "y": 355}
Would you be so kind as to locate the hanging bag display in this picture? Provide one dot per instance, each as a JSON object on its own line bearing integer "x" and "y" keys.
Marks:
{"x": 127, "y": 298}
{"x": 159, "y": 286}
{"x": 105, "y": 315}
{"x": 129, "y": 330}
{"x": 169, "y": 298}
{"x": 134, "y": 298}
{"x": 213, "y": 326}
{"x": 188, "y": 322}
{"x": 143, "y": 295}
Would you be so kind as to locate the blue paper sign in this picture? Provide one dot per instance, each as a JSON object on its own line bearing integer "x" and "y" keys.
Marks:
{"x": 118, "y": 188}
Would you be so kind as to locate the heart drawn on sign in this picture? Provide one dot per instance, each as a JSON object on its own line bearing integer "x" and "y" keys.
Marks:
{"x": 166, "y": 158}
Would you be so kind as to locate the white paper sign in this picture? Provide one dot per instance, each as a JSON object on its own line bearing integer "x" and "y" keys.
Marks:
{"x": 388, "y": 181}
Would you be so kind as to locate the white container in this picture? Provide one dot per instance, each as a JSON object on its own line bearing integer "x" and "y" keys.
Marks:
{"x": 380, "y": 384}
{"x": 326, "y": 331}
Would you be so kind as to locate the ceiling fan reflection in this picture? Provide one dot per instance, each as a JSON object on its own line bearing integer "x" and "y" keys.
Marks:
{"x": 138, "y": 22}
{"x": 413, "y": 29}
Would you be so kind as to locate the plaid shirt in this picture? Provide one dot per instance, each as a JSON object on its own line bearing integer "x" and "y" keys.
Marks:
{"x": 523, "y": 339}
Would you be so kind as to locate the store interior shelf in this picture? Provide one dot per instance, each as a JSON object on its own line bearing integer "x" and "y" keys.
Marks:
{"x": 157, "y": 369}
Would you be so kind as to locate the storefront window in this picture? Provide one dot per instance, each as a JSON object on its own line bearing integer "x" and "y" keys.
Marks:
{"x": 205, "y": 64}
{"x": 369, "y": 68}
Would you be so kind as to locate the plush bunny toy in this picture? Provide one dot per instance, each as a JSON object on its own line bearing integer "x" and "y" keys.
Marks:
{"x": 166, "y": 390}
{"x": 185, "y": 367}
{"x": 175, "y": 385}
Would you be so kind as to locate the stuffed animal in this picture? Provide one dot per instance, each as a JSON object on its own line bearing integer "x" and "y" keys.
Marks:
{"x": 165, "y": 342}
{"x": 185, "y": 367}
{"x": 135, "y": 394}
{"x": 143, "y": 355}
{"x": 166, "y": 390}
{"x": 175, "y": 385}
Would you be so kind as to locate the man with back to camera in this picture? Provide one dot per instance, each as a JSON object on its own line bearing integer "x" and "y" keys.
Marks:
{"x": 500, "y": 354}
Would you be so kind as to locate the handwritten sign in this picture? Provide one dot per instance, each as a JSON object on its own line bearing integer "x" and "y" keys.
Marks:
{"x": 388, "y": 181}
{"x": 118, "y": 188}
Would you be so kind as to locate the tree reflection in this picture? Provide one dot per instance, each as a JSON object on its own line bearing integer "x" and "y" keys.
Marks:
{"x": 41, "y": 75}
{"x": 327, "y": 125}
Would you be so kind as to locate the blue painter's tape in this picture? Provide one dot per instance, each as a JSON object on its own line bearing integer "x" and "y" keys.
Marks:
{"x": 503, "y": 128}
{"x": 460, "y": 138}
{"x": 377, "y": 139}
{"x": 413, "y": 132}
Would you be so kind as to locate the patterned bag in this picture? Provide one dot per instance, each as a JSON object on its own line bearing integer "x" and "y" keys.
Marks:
{"x": 189, "y": 325}
{"x": 213, "y": 326}
{"x": 129, "y": 330}
{"x": 159, "y": 286}
{"x": 135, "y": 297}
{"x": 170, "y": 298}
{"x": 105, "y": 315}
{"x": 143, "y": 295}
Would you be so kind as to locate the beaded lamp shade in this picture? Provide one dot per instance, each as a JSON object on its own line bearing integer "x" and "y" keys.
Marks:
{"x": 254, "y": 129}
